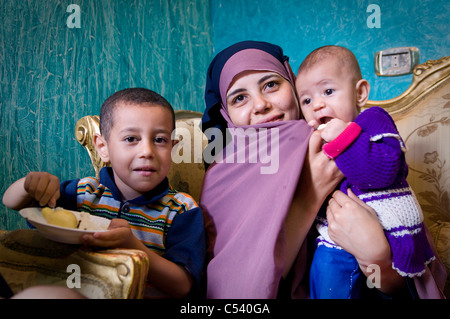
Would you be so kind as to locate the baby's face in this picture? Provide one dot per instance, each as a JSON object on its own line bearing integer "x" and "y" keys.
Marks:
{"x": 139, "y": 147}
{"x": 257, "y": 97}
{"x": 327, "y": 91}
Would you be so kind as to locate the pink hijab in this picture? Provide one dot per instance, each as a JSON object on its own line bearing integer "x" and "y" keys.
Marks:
{"x": 245, "y": 198}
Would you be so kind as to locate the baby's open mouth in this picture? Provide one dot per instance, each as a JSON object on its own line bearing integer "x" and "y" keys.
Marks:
{"x": 325, "y": 120}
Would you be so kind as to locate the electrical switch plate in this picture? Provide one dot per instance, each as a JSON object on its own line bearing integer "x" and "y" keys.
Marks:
{"x": 396, "y": 61}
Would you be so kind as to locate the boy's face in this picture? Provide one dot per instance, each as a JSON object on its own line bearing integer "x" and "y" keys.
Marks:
{"x": 326, "y": 91}
{"x": 139, "y": 147}
{"x": 259, "y": 97}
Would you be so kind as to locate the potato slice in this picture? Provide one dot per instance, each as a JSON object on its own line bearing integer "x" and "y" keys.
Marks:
{"x": 60, "y": 217}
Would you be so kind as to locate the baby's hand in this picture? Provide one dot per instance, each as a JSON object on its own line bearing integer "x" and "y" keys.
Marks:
{"x": 333, "y": 129}
{"x": 43, "y": 187}
{"x": 314, "y": 124}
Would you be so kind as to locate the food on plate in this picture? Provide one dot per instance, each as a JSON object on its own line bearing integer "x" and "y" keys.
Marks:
{"x": 60, "y": 217}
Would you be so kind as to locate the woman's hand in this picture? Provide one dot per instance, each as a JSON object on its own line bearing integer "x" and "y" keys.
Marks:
{"x": 319, "y": 177}
{"x": 354, "y": 226}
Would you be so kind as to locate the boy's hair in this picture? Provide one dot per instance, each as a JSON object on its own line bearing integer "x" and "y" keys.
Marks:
{"x": 137, "y": 96}
{"x": 344, "y": 55}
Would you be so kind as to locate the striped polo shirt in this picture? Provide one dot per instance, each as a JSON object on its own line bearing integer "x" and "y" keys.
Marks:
{"x": 166, "y": 221}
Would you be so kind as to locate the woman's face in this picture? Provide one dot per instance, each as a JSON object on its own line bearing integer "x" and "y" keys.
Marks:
{"x": 257, "y": 97}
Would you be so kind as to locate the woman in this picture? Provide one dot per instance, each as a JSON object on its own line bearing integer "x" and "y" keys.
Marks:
{"x": 258, "y": 212}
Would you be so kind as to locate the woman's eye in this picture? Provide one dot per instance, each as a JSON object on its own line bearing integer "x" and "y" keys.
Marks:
{"x": 329, "y": 91}
{"x": 271, "y": 84}
{"x": 238, "y": 99}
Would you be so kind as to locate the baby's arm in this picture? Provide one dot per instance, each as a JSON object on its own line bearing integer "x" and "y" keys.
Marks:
{"x": 42, "y": 187}
{"x": 372, "y": 153}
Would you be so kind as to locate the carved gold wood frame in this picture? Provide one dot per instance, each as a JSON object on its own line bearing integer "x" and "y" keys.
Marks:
{"x": 426, "y": 78}
{"x": 85, "y": 131}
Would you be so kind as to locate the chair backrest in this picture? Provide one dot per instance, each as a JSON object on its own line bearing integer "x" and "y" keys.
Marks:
{"x": 187, "y": 170}
{"x": 422, "y": 115}
{"x": 85, "y": 130}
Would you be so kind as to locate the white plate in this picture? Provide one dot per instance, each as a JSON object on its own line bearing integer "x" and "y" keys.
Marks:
{"x": 88, "y": 224}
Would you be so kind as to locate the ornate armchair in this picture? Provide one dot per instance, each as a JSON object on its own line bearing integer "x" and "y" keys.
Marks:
{"x": 422, "y": 115}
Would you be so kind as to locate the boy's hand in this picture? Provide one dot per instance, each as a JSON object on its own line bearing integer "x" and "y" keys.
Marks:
{"x": 43, "y": 187}
{"x": 119, "y": 235}
{"x": 333, "y": 129}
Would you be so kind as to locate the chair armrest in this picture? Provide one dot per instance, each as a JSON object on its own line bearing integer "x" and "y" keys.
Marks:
{"x": 27, "y": 259}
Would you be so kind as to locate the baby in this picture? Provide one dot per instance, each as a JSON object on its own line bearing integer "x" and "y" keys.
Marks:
{"x": 369, "y": 151}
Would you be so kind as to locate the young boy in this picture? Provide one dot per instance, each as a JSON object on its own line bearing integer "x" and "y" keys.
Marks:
{"x": 369, "y": 151}
{"x": 147, "y": 214}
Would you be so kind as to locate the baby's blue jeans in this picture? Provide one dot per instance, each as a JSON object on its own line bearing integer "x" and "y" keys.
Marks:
{"x": 335, "y": 274}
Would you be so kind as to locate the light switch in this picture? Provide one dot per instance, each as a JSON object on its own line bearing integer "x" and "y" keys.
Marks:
{"x": 396, "y": 61}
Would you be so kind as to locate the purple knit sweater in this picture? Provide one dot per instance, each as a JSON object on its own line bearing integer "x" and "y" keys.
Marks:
{"x": 375, "y": 169}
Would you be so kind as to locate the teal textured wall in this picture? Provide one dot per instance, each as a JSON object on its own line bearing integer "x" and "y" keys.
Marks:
{"x": 300, "y": 26}
{"x": 52, "y": 75}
